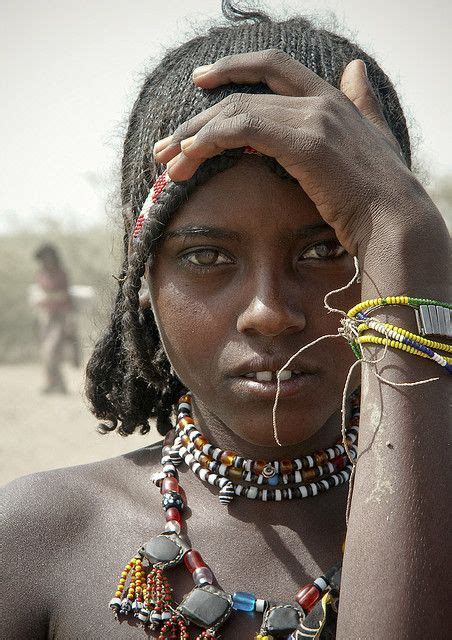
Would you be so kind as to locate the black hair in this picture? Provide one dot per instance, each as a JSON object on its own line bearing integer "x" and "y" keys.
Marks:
{"x": 48, "y": 250}
{"x": 129, "y": 378}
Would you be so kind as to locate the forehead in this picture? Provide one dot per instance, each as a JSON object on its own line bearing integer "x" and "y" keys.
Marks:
{"x": 248, "y": 196}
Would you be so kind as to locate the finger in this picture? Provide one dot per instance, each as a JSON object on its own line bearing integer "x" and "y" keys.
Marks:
{"x": 232, "y": 133}
{"x": 234, "y": 104}
{"x": 356, "y": 86}
{"x": 275, "y": 68}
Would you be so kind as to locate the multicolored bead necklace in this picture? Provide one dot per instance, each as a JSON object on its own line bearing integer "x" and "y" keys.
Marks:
{"x": 289, "y": 479}
{"x": 143, "y": 589}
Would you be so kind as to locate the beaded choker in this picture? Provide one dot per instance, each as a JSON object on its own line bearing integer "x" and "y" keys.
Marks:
{"x": 264, "y": 480}
{"x": 144, "y": 591}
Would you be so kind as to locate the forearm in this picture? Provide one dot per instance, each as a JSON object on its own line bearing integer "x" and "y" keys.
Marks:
{"x": 395, "y": 573}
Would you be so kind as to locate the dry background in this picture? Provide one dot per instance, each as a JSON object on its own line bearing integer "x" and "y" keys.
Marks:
{"x": 72, "y": 71}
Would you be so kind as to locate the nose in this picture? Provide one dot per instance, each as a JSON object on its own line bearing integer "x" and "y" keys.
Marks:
{"x": 273, "y": 309}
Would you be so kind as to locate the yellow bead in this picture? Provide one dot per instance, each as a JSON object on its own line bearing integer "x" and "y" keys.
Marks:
{"x": 122, "y": 581}
{"x": 118, "y": 594}
{"x": 228, "y": 457}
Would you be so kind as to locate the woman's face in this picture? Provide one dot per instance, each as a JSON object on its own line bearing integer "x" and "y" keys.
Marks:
{"x": 237, "y": 287}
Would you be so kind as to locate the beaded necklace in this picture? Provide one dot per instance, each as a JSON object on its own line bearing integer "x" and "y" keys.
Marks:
{"x": 144, "y": 590}
{"x": 224, "y": 468}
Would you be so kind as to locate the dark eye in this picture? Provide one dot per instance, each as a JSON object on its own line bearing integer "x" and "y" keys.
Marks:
{"x": 207, "y": 258}
{"x": 329, "y": 249}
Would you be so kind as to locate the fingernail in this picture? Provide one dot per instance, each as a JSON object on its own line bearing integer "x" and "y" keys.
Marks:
{"x": 173, "y": 161}
{"x": 161, "y": 144}
{"x": 200, "y": 71}
{"x": 365, "y": 68}
{"x": 185, "y": 144}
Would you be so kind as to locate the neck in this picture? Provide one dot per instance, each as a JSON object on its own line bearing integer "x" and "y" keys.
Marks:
{"x": 223, "y": 437}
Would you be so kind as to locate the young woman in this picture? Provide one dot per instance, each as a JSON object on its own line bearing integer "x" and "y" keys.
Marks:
{"x": 273, "y": 168}
{"x": 54, "y": 306}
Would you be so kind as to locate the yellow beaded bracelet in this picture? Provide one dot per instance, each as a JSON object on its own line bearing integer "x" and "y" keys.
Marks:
{"x": 395, "y": 345}
{"x": 439, "y": 346}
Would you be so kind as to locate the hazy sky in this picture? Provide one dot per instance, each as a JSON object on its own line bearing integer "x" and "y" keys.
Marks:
{"x": 70, "y": 71}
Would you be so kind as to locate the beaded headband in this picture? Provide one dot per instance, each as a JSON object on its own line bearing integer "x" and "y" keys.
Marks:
{"x": 159, "y": 185}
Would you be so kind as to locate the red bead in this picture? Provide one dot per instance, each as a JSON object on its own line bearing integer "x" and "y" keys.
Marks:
{"x": 183, "y": 495}
{"x": 173, "y": 514}
{"x": 193, "y": 560}
{"x": 169, "y": 484}
{"x": 286, "y": 466}
{"x": 307, "y": 597}
{"x": 338, "y": 462}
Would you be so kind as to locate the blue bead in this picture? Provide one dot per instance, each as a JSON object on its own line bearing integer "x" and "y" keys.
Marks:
{"x": 273, "y": 480}
{"x": 243, "y": 601}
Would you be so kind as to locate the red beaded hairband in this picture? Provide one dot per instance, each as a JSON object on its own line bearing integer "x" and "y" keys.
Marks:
{"x": 162, "y": 181}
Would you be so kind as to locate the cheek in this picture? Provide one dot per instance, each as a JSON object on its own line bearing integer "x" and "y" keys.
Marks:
{"x": 191, "y": 329}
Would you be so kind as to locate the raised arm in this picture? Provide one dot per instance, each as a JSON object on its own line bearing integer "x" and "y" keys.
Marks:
{"x": 339, "y": 147}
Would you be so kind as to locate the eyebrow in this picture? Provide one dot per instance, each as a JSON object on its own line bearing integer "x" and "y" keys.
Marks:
{"x": 205, "y": 232}
{"x": 305, "y": 232}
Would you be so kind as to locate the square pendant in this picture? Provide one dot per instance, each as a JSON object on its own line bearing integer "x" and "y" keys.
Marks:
{"x": 282, "y": 619}
{"x": 166, "y": 549}
{"x": 206, "y": 606}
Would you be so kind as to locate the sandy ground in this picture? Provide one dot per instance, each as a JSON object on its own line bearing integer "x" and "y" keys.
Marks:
{"x": 41, "y": 432}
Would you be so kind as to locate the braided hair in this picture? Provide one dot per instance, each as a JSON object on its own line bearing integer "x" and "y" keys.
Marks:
{"x": 129, "y": 378}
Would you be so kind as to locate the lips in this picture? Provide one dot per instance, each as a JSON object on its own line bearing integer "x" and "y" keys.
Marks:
{"x": 258, "y": 377}
{"x": 265, "y": 369}
{"x": 268, "y": 376}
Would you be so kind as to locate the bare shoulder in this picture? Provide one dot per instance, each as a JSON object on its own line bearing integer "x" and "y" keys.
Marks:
{"x": 50, "y": 517}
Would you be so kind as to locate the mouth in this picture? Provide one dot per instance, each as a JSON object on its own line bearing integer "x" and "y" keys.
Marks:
{"x": 264, "y": 384}
{"x": 271, "y": 376}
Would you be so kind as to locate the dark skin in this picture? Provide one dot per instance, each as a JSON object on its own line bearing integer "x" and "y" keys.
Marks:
{"x": 268, "y": 301}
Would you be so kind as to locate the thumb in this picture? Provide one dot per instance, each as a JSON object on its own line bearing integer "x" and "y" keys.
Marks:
{"x": 356, "y": 86}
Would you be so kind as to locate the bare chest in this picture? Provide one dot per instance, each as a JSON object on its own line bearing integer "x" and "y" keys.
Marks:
{"x": 271, "y": 559}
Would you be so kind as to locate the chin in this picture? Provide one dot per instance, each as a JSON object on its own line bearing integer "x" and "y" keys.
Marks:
{"x": 266, "y": 438}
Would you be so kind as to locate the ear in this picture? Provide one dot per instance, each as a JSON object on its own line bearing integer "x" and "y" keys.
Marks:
{"x": 356, "y": 86}
{"x": 145, "y": 296}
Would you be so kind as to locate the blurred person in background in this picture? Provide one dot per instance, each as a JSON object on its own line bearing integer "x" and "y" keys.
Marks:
{"x": 53, "y": 303}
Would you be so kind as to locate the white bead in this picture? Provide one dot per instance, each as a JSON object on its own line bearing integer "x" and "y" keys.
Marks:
{"x": 304, "y": 492}
{"x": 260, "y": 605}
{"x": 278, "y": 495}
{"x": 211, "y": 478}
{"x": 264, "y": 495}
{"x": 222, "y": 470}
{"x": 202, "y": 575}
{"x": 115, "y": 602}
{"x": 172, "y": 526}
{"x": 252, "y": 493}
{"x": 298, "y": 477}
{"x": 314, "y": 489}
{"x": 321, "y": 583}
